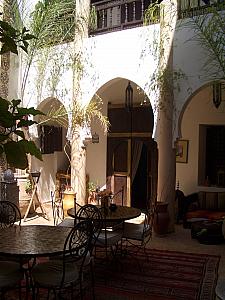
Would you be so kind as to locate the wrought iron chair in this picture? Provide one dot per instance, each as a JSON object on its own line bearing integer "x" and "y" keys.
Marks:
{"x": 57, "y": 275}
{"x": 9, "y": 214}
{"x": 109, "y": 237}
{"x": 11, "y": 272}
{"x": 93, "y": 214}
{"x": 138, "y": 235}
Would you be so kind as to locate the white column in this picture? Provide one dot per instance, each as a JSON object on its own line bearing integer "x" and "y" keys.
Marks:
{"x": 166, "y": 151}
{"x": 78, "y": 152}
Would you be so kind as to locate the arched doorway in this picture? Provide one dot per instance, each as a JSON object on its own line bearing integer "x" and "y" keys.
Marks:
{"x": 132, "y": 157}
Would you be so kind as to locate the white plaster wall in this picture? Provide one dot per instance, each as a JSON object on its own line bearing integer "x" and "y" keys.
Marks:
{"x": 190, "y": 58}
{"x": 200, "y": 110}
{"x": 97, "y": 154}
{"x": 59, "y": 55}
{"x": 125, "y": 54}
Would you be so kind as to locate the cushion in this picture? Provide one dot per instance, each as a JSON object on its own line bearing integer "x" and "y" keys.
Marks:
{"x": 50, "y": 273}
{"x": 211, "y": 200}
{"x": 113, "y": 237}
{"x": 208, "y": 200}
{"x": 133, "y": 231}
{"x": 216, "y": 215}
{"x": 206, "y": 214}
{"x": 10, "y": 273}
{"x": 221, "y": 201}
{"x": 197, "y": 214}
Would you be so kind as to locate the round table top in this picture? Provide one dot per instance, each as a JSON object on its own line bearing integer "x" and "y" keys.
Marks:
{"x": 33, "y": 240}
{"x": 121, "y": 213}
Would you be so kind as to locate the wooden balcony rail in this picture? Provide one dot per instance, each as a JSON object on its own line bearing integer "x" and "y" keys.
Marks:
{"x": 191, "y": 8}
{"x": 115, "y": 15}
{"x": 119, "y": 14}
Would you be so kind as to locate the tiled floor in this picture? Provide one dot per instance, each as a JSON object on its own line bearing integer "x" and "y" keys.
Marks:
{"x": 179, "y": 240}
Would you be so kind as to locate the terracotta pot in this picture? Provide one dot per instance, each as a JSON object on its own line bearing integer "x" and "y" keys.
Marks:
{"x": 161, "y": 218}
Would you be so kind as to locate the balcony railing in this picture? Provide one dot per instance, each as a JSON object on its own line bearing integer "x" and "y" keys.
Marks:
{"x": 191, "y": 8}
{"x": 115, "y": 15}
{"x": 119, "y": 14}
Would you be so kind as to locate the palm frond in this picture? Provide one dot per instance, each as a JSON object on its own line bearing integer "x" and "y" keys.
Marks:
{"x": 209, "y": 32}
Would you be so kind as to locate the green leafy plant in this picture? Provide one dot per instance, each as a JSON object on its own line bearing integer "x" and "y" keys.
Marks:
{"x": 14, "y": 146}
{"x": 28, "y": 187}
{"x": 209, "y": 32}
{"x": 13, "y": 143}
{"x": 11, "y": 38}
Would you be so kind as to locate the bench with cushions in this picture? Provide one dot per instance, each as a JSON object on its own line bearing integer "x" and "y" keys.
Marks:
{"x": 203, "y": 205}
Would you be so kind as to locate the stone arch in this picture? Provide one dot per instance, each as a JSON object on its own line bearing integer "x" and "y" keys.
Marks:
{"x": 113, "y": 93}
{"x": 187, "y": 102}
{"x": 140, "y": 95}
{"x": 50, "y": 104}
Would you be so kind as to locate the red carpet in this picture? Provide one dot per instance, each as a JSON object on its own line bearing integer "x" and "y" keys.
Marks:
{"x": 165, "y": 275}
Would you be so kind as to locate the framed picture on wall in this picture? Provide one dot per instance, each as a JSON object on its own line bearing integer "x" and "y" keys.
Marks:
{"x": 182, "y": 151}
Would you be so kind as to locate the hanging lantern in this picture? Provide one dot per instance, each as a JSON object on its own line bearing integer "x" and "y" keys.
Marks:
{"x": 129, "y": 97}
{"x": 217, "y": 94}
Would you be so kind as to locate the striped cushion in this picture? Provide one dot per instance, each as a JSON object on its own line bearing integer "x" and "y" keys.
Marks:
{"x": 221, "y": 201}
{"x": 211, "y": 200}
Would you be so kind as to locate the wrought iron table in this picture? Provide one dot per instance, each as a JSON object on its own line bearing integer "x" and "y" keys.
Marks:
{"x": 122, "y": 213}
{"x": 32, "y": 241}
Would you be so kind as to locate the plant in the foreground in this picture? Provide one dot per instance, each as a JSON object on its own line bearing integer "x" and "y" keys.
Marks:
{"x": 13, "y": 144}
{"x": 11, "y": 38}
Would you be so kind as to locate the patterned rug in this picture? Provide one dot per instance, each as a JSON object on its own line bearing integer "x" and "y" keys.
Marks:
{"x": 161, "y": 275}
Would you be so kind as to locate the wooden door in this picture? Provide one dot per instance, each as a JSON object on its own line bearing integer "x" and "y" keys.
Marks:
{"x": 144, "y": 184}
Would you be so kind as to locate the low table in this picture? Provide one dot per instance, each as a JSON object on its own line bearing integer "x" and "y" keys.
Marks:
{"x": 208, "y": 232}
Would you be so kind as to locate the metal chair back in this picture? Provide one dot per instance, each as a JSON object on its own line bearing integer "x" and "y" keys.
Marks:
{"x": 9, "y": 214}
{"x": 77, "y": 245}
{"x": 93, "y": 214}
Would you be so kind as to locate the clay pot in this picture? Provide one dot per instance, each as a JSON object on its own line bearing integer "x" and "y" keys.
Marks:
{"x": 161, "y": 218}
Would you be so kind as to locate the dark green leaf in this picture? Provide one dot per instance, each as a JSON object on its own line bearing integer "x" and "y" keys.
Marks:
{"x": 31, "y": 148}
{"x": 6, "y": 27}
{"x": 15, "y": 103}
{"x": 3, "y": 137}
{"x": 29, "y": 111}
{"x": 16, "y": 155}
{"x": 24, "y": 30}
{"x": 6, "y": 48}
{"x": 26, "y": 44}
{"x": 4, "y": 104}
{"x": 20, "y": 133}
{"x": 25, "y": 123}
{"x": 6, "y": 119}
{"x": 28, "y": 37}
{"x": 24, "y": 48}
